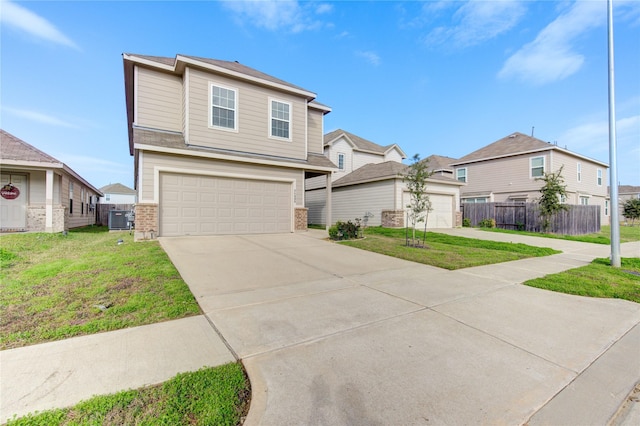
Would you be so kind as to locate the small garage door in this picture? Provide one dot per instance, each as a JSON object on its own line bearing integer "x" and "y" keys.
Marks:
{"x": 442, "y": 214}
{"x": 209, "y": 205}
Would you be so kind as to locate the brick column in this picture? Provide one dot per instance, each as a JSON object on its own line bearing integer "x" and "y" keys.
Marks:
{"x": 392, "y": 218}
{"x": 146, "y": 222}
{"x": 301, "y": 218}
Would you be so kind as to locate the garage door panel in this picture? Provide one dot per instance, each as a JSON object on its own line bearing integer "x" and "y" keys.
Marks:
{"x": 442, "y": 214}
{"x": 207, "y": 205}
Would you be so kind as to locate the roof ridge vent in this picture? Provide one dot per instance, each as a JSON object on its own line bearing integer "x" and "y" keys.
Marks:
{"x": 512, "y": 136}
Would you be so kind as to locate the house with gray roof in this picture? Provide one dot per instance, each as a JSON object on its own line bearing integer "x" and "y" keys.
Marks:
{"x": 40, "y": 193}
{"x": 507, "y": 170}
{"x": 117, "y": 193}
{"x": 369, "y": 181}
{"x": 220, "y": 147}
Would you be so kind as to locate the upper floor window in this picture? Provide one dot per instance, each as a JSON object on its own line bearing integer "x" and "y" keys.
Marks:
{"x": 579, "y": 168}
{"x": 223, "y": 107}
{"x": 537, "y": 167}
{"x": 599, "y": 177}
{"x": 461, "y": 174}
{"x": 341, "y": 161}
{"x": 280, "y": 119}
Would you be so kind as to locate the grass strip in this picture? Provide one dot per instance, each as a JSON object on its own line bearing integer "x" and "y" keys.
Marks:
{"x": 445, "y": 251}
{"x": 209, "y": 396}
{"x": 54, "y": 286}
{"x": 627, "y": 234}
{"x": 598, "y": 279}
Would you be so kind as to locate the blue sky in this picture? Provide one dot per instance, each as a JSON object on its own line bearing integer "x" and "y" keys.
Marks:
{"x": 435, "y": 77}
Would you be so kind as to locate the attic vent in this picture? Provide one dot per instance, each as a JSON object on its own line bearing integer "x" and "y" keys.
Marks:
{"x": 512, "y": 136}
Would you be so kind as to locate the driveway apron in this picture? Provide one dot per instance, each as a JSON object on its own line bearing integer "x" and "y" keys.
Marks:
{"x": 335, "y": 335}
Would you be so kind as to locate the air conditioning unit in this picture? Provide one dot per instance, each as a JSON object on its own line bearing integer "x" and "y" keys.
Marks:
{"x": 119, "y": 220}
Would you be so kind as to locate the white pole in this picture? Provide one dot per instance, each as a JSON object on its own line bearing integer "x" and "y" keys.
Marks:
{"x": 613, "y": 170}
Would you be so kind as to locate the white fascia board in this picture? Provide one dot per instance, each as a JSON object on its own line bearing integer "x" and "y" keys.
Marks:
{"x": 228, "y": 157}
{"x": 147, "y": 62}
{"x": 533, "y": 151}
{"x": 31, "y": 164}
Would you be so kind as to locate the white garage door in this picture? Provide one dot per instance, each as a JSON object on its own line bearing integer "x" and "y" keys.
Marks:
{"x": 442, "y": 214}
{"x": 209, "y": 205}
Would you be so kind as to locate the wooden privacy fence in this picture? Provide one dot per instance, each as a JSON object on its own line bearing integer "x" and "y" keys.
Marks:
{"x": 102, "y": 213}
{"x": 578, "y": 220}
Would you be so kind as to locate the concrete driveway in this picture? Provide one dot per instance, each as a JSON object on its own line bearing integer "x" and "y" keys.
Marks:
{"x": 335, "y": 335}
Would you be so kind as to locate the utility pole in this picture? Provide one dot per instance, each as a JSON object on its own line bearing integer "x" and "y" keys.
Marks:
{"x": 613, "y": 167}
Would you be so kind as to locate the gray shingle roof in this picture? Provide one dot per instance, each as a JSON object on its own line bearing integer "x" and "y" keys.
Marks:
{"x": 117, "y": 188}
{"x": 176, "y": 141}
{"x": 369, "y": 172}
{"x": 360, "y": 143}
{"x": 13, "y": 148}
{"x": 513, "y": 144}
{"x": 440, "y": 162}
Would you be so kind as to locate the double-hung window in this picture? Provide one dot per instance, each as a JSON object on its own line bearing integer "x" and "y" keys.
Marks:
{"x": 223, "y": 107}
{"x": 537, "y": 167}
{"x": 341, "y": 161}
{"x": 461, "y": 174}
{"x": 579, "y": 176}
{"x": 280, "y": 120}
{"x": 599, "y": 177}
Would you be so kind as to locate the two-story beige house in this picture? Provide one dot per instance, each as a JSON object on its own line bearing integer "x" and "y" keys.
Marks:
{"x": 506, "y": 170}
{"x": 219, "y": 147}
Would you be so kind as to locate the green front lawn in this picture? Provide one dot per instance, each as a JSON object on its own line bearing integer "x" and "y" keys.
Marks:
{"x": 54, "y": 286}
{"x": 598, "y": 279}
{"x": 445, "y": 251}
{"x": 627, "y": 234}
{"x": 210, "y": 396}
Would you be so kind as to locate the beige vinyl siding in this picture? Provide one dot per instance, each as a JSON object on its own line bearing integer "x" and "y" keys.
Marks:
{"x": 81, "y": 216}
{"x": 354, "y": 201}
{"x": 37, "y": 188}
{"x": 588, "y": 182}
{"x": 253, "y": 123}
{"x": 197, "y": 165}
{"x": 315, "y": 139}
{"x": 362, "y": 158}
{"x": 393, "y": 155}
{"x": 158, "y": 100}
{"x": 316, "y": 203}
{"x": 504, "y": 175}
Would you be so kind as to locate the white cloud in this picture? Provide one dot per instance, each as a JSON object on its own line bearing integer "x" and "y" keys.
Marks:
{"x": 593, "y": 137}
{"x": 23, "y": 19}
{"x": 371, "y": 57}
{"x": 475, "y": 22}
{"x": 39, "y": 117}
{"x": 552, "y": 56}
{"x": 278, "y": 14}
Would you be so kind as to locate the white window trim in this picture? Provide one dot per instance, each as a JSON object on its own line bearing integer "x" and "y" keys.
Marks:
{"x": 579, "y": 172}
{"x": 236, "y": 109}
{"x": 606, "y": 207}
{"x": 466, "y": 174}
{"x": 583, "y": 197}
{"x": 599, "y": 177}
{"x": 344, "y": 157}
{"x": 544, "y": 164}
{"x": 271, "y": 136}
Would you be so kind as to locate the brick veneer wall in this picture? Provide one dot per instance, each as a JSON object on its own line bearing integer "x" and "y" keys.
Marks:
{"x": 392, "y": 218}
{"x": 146, "y": 222}
{"x": 36, "y": 219}
{"x": 301, "y": 218}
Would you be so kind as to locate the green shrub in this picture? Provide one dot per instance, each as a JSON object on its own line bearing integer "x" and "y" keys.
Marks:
{"x": 466, "y": 222}
{"x": 345, "y": 230}
{"x": 487, "y": 223}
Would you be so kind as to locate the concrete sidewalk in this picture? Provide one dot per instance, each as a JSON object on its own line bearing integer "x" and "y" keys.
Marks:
{"x": 335, "y": 335}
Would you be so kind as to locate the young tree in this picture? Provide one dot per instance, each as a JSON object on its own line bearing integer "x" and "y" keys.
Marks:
{"x": 553, "y": 191}
{"x": 631, "y": 210}
{"x": 420, "y": 204}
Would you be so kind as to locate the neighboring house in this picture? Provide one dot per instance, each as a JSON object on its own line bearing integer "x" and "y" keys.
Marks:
{"x": 219, "y": 148}
{"x": 626, "y": 192}
{"x": 117, "y": 193}
{"x": 40, "y": 193}
{"x": 371, "y": 182}
{"x": 379, "y": 189}
{"x": 506, "y": 170}
{"x": 349, "y": 152}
